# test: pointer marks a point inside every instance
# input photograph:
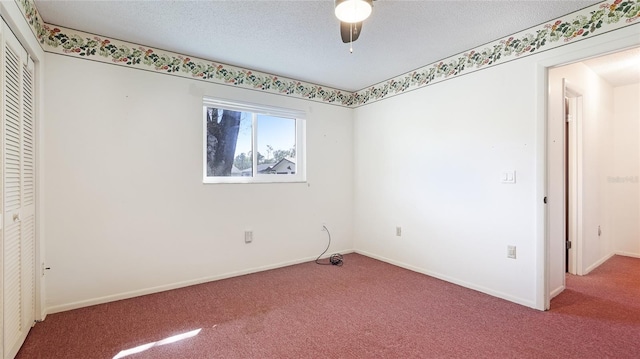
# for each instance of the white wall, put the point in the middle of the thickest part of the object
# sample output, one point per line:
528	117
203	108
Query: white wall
127	213
623	180
597	136
430	161
126	210
433	164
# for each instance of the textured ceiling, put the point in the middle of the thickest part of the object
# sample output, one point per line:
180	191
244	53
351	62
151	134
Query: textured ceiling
301	40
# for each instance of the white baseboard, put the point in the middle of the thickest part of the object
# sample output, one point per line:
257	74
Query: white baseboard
527	303
556	291
628	254
598	263
162	288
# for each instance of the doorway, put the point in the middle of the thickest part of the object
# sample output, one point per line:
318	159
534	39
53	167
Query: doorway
593	188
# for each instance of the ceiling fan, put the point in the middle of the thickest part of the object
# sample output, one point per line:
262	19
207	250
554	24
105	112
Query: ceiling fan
349	32
351	14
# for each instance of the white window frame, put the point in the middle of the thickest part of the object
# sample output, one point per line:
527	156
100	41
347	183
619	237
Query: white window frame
256	109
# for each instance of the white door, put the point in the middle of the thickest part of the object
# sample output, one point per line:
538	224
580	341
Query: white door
17	195
573	110
556	213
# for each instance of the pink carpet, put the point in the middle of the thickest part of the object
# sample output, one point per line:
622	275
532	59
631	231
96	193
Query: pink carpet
364	309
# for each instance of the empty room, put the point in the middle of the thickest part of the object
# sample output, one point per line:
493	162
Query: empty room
296	179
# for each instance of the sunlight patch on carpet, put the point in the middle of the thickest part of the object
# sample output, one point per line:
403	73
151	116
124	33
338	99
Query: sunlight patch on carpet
165	341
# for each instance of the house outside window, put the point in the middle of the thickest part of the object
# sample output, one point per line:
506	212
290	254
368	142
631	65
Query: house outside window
248	143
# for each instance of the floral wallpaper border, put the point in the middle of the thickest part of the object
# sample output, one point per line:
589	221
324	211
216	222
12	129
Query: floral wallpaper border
597	19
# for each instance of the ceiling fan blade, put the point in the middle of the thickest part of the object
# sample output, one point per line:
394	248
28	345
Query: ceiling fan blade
350	32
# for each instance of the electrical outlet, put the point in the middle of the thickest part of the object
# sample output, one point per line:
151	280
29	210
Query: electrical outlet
511	252
398	231
248	236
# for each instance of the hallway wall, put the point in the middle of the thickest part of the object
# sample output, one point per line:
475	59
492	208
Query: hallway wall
623	180
595	132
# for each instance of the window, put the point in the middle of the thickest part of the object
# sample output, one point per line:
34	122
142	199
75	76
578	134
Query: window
245	143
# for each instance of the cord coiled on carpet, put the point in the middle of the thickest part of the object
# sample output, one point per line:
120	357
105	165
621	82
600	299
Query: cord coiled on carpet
335	259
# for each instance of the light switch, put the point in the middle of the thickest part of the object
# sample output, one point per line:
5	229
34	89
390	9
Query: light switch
508	177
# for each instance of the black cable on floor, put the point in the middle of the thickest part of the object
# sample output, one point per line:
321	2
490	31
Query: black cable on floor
335	259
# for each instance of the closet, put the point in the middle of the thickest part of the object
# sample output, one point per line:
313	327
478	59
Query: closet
17	195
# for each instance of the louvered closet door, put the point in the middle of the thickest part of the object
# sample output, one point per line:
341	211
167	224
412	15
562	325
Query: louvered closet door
18	200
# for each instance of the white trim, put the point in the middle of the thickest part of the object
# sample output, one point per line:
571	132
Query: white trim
299	117
627	254
579	185
186	283
13	16
251	180
40	119
253	107
557	291
597	46
453	280
598	263
543	299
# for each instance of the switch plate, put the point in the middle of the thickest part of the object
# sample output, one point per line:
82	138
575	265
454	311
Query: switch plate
248	236
508	177
398	231
511	252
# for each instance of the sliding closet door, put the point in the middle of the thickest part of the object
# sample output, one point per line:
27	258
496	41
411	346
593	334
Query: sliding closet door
18	204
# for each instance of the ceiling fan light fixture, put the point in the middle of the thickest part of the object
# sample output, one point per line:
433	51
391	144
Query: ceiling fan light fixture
352	11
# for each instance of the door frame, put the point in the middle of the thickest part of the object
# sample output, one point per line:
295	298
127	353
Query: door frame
622	39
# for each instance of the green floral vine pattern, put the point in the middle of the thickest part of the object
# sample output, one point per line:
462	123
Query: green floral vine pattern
597	18
585	23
